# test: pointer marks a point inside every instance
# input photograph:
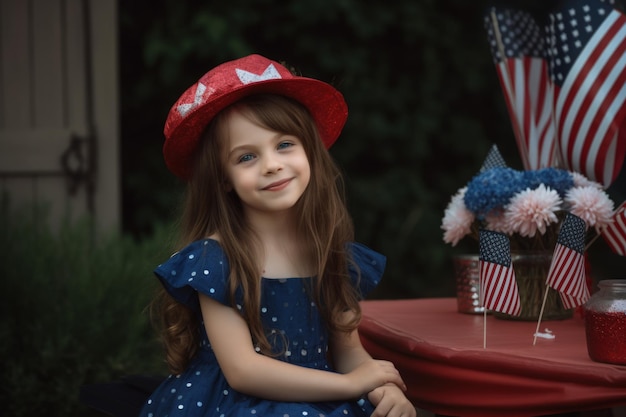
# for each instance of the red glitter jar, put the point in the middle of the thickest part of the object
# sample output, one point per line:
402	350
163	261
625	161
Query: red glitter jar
605	322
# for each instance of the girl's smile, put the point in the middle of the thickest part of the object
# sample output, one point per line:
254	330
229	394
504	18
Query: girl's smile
278	185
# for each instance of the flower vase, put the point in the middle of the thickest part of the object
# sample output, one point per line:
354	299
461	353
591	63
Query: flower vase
531	271
466	272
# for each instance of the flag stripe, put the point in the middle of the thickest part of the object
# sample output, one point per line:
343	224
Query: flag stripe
567	276
500	291
515	112
567	263
575	85
567	271
547	132
590	104
599	122
541	139
525	81
498	288
615	233
581	80
607	134
569	301
528	95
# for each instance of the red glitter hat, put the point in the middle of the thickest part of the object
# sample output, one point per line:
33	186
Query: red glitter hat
233	80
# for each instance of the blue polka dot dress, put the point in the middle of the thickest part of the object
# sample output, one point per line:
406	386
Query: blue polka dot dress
291	319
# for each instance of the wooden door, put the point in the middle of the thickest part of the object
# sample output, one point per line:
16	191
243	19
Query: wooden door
58	108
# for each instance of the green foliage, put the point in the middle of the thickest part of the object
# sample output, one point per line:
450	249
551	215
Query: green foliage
73	313
418	77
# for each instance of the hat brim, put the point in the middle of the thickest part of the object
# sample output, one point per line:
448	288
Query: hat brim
326	105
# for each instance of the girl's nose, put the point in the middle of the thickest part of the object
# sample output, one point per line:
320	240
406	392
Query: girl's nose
271	164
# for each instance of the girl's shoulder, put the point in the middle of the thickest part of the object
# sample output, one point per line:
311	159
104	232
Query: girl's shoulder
203	249
201	266
363	255
367	267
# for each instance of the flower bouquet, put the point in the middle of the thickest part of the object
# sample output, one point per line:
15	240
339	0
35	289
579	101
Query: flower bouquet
529	207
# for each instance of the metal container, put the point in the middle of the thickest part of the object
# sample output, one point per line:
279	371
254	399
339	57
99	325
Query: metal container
466	270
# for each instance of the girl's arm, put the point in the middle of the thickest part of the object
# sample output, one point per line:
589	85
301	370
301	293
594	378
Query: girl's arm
348	354
261	376
347	351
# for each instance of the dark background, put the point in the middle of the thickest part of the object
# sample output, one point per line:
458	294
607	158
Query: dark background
425	107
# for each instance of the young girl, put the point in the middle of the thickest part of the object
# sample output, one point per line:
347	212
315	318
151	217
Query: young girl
260	307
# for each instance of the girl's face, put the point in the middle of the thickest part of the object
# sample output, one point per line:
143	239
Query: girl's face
268	170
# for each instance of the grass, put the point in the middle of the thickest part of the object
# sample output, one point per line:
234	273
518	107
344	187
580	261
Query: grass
73	312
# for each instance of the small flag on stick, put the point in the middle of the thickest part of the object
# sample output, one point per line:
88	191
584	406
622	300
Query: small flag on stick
497	279
615	233
567	271
493	159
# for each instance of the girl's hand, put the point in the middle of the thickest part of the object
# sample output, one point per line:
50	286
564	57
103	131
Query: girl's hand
373	373
390	401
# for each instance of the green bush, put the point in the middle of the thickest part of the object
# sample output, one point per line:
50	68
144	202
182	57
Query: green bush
73	312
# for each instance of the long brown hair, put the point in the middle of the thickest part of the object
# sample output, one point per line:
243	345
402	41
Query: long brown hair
211	208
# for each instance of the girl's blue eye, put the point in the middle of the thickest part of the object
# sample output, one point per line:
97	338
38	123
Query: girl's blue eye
284	145
245	158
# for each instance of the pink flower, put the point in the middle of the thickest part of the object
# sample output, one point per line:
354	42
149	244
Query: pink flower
591	204
581	181
457	220
497	222
530	211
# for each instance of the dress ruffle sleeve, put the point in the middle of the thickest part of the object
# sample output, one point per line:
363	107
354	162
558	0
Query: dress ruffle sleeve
201	266
371	266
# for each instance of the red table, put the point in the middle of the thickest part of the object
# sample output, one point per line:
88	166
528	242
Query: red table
441	357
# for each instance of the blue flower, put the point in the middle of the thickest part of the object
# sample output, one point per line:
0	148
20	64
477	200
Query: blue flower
492	189
559	180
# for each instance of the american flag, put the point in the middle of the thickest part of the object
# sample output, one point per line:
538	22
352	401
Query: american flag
493	159
587	54
615	233
519	52
567	271
498	288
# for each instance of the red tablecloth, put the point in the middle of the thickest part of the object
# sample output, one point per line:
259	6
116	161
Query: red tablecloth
441	357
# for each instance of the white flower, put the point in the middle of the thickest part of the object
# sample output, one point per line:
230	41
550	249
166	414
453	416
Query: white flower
591	204
530	211
457	220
